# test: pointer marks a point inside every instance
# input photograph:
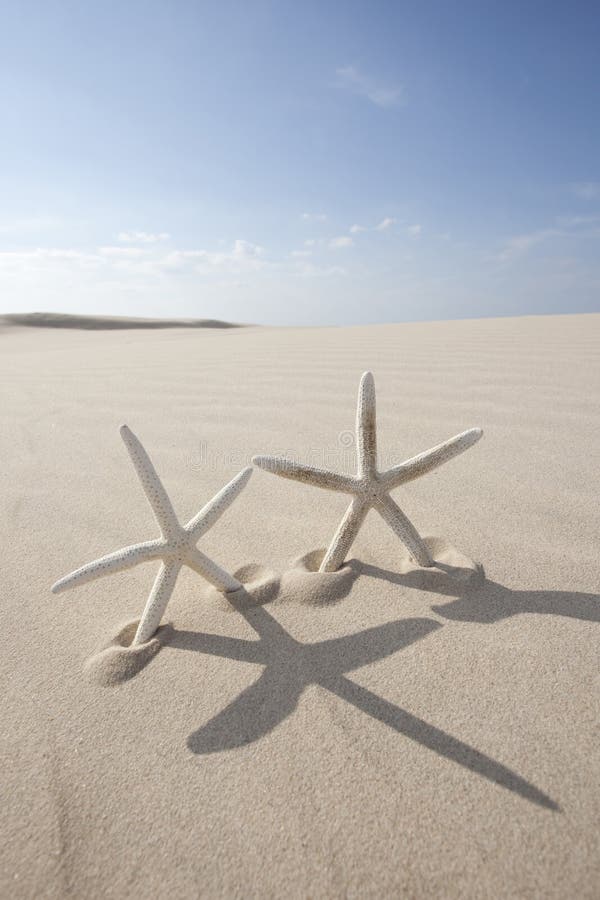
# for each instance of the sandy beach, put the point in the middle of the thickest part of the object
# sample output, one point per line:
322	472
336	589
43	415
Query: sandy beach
381	731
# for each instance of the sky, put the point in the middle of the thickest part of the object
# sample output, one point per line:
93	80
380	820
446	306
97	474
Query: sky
292	162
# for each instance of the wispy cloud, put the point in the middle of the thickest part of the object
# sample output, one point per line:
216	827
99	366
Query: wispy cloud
122	252
243	256
577	222
385	224
310	270
520	244
381	226
563	227
350	78
29	224
314	217
343	241
42	257
415	230
586	190
142	237
247	250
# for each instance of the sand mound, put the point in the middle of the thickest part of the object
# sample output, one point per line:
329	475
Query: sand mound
453	573
105	323
259	585
303	583
118	661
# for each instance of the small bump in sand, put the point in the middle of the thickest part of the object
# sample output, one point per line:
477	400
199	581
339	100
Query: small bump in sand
305	583
119	660
450	568
259	586
452	572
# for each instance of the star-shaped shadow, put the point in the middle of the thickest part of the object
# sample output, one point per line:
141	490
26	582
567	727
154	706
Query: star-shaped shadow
488	601
291	666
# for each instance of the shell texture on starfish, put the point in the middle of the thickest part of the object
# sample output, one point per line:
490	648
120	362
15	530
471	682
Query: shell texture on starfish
370	489
175	547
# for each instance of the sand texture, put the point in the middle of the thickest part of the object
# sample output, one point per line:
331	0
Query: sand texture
378	731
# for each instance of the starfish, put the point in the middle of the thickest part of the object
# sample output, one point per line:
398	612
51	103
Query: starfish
370	488
176	546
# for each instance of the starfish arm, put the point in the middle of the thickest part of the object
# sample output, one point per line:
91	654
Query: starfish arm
217	576
430	459
215	508
366	426
151	483
391	513
106	565
344	536
297	472
157	602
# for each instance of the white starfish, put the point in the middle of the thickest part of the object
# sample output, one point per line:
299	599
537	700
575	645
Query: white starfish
369	487
176	546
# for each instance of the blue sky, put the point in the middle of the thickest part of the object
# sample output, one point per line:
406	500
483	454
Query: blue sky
300	162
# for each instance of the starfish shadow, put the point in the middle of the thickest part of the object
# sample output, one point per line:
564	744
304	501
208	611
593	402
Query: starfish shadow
490	601
291	666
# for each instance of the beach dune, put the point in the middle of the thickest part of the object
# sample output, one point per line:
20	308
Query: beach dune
382	730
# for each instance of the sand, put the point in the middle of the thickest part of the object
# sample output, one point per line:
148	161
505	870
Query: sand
104	323
372	732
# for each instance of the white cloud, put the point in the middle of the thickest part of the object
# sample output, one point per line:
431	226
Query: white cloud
577	221
415	230
142	237
520	244
44	256
314	217
243	255
299	254
310	270
563	227
382	226
385	224
29	224
122	252
310	242
342	241
352	79
587	190
246	250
